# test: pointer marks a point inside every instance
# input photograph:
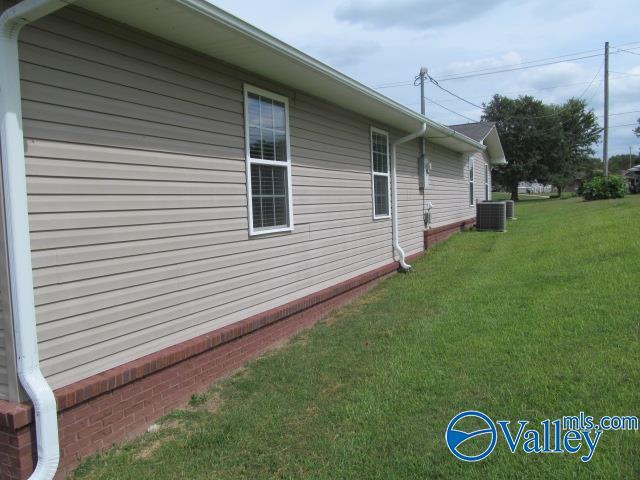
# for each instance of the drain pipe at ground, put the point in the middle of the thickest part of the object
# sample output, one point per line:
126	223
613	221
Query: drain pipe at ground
394	218
17	233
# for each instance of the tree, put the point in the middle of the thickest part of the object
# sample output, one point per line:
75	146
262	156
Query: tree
637	129
569	144
621	162
547	143
590	167
518	122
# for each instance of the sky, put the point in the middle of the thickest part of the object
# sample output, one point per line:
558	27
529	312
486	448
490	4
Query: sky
382	42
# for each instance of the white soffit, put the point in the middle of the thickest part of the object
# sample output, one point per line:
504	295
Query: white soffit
205	28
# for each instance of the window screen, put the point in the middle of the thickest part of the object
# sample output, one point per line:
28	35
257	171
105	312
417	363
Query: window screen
269	196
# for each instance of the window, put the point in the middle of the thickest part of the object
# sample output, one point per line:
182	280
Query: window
380	173
471	180
487	191
268	161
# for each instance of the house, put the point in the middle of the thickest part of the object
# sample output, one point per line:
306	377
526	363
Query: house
633	178
534	188
487	134
181	190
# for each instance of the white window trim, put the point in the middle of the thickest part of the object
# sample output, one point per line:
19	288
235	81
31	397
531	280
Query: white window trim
250	161
373	130
472	180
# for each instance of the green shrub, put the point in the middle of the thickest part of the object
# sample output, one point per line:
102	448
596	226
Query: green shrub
600	188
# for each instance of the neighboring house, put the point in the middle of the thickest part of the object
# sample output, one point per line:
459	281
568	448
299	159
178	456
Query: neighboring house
195	191
633	178
534	187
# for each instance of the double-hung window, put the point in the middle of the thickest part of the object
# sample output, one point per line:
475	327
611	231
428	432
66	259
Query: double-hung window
471	180
268	161
487	193
380	173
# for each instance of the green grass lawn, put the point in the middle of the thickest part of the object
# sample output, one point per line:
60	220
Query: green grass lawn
539	322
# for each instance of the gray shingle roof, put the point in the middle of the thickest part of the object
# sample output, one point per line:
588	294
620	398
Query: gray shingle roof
476	131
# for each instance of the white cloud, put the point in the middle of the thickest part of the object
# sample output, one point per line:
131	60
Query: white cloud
550	75
413	14
341	55
506	60
386	41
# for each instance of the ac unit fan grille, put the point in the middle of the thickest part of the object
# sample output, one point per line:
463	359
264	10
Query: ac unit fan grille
491	216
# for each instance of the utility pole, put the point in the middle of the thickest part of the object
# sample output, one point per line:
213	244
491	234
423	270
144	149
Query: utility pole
422	75
605	143
630	154
422	183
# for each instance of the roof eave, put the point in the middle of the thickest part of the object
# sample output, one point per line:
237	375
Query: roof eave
494	147
398	116
245	28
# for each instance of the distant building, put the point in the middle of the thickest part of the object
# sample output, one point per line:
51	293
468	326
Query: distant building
533	187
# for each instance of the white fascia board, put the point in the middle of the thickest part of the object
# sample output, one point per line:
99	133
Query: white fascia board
494	147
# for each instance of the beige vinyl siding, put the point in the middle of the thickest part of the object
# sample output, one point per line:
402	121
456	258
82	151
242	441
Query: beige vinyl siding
137	196
482	159
4	368
448	188
410	199
449	185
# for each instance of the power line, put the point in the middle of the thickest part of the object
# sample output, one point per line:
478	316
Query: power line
514	92
592	80
520	66
627	44
460	77
625	113
471	75
626	74
435	82
595	92
620	113
392	85
491	71
452	111
524	63
519	118
624	125
627	51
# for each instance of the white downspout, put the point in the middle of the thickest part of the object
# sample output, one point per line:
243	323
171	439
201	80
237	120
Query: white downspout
394	218
17	233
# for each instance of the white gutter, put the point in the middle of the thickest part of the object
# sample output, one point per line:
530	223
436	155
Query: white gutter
394	218
17	233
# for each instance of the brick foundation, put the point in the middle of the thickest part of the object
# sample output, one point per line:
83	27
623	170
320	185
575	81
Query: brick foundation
440	234
116	405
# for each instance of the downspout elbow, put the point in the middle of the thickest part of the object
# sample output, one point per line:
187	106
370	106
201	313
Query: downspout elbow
394	218
45	408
